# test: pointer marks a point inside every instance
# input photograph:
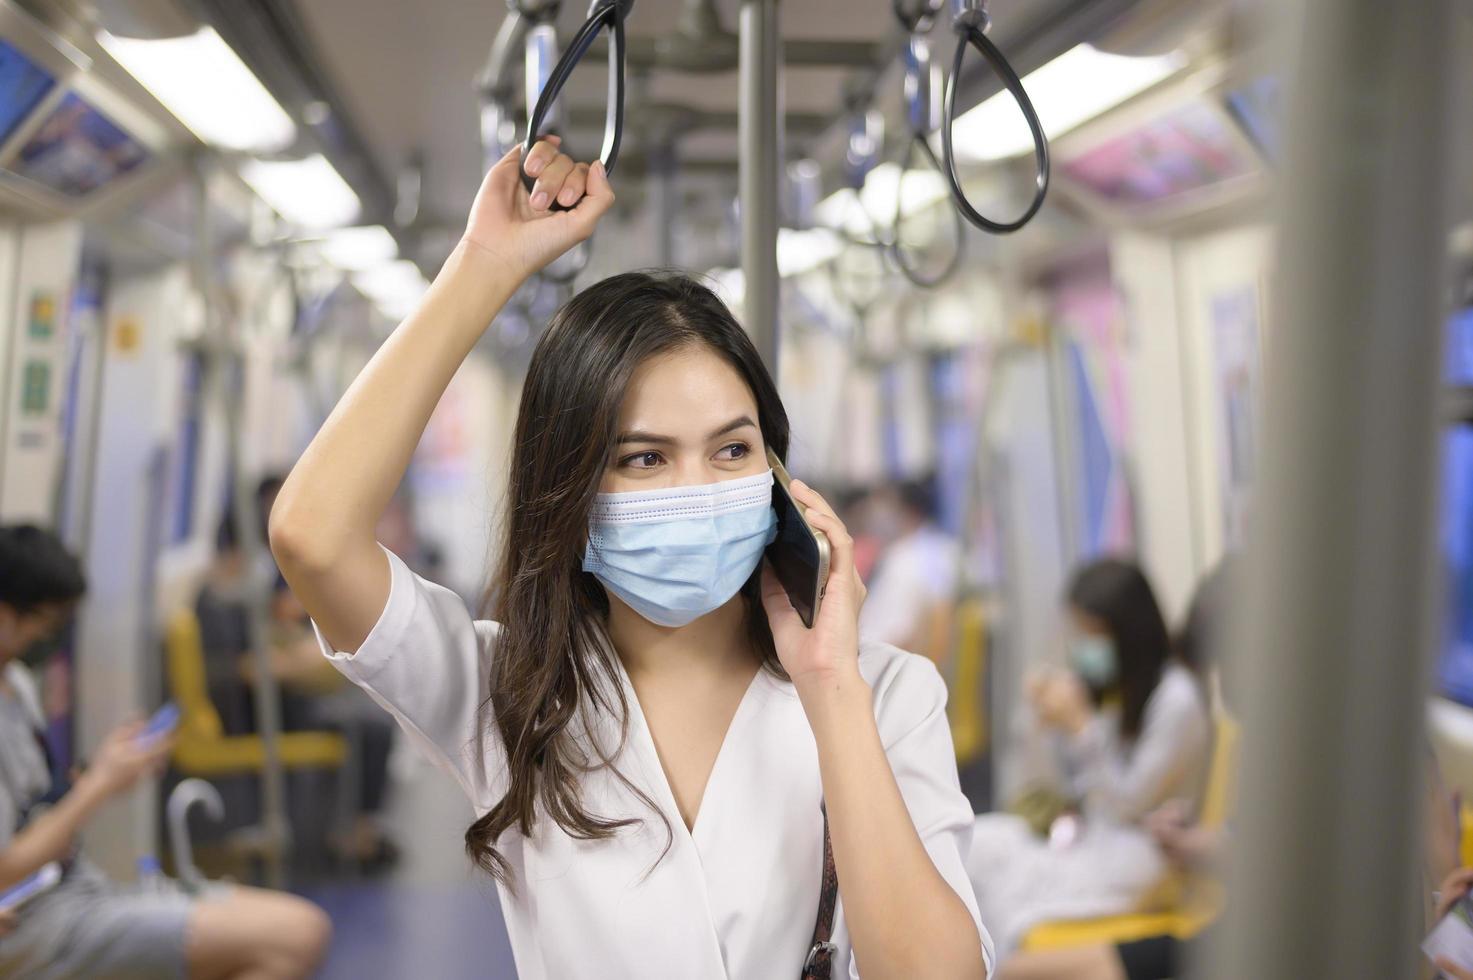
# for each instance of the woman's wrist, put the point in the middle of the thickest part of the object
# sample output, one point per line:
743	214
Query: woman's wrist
474	271
833	696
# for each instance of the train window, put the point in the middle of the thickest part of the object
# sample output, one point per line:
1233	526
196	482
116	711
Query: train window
78	150
23	84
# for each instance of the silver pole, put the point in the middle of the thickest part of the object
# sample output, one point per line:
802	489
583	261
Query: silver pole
662	192
225	354
1339	624
760	129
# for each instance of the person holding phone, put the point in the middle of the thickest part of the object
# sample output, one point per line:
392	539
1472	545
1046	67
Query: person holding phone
657	748
79	923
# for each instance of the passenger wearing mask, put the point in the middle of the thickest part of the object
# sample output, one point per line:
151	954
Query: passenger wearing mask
656	747
1133	730
87	926
913	590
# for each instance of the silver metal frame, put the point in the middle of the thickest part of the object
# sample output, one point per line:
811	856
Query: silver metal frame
760	134
1339	624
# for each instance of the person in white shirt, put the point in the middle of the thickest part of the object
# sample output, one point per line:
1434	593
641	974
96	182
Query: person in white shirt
912	592
656	748
1133	730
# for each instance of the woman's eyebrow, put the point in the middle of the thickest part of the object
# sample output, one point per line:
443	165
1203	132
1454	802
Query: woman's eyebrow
740	422
641	436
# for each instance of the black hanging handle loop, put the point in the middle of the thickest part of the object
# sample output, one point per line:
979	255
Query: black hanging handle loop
602	14
970	26
958	229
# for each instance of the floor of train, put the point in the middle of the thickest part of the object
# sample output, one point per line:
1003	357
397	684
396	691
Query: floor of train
433	915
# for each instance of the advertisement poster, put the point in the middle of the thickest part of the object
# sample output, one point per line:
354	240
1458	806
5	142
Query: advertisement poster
1235	344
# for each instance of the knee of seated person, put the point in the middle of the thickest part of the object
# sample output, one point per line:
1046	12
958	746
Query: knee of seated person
310	933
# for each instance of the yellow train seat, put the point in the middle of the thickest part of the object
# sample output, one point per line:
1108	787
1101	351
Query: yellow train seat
1202	897
967	704
202	748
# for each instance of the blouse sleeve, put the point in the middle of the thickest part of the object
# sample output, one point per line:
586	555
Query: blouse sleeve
1170	750
426	662
911	714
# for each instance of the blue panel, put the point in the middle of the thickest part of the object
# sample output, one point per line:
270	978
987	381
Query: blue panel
78	150
1455	667
23	84
1097	460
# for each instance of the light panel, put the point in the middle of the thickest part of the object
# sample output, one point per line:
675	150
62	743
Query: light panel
1076	86
203	82
308	193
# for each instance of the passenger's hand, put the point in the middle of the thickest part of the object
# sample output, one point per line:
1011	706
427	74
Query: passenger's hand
123	759
829	652
520	229
8	921
1062	701
1454	887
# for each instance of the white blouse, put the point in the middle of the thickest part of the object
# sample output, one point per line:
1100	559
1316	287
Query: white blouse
737	895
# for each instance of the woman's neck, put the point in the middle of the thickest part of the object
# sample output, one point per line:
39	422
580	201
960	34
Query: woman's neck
715	642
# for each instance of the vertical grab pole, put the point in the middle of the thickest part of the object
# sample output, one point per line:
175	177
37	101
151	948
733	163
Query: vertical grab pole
226	352
1339	620
760	130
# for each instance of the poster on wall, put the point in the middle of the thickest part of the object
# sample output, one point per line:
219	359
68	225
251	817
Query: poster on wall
1235	343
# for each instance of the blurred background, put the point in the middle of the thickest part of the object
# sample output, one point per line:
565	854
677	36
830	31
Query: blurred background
212	212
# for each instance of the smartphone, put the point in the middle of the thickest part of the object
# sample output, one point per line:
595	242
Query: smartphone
163	723
799	554
1452	938
42	881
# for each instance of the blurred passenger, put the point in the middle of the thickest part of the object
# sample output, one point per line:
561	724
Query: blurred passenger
1186	845
1133	730
313	695
854	509
87	926
913	590
655	745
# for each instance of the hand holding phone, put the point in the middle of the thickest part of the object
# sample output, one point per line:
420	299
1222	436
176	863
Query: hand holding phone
1450	943
800	553
161	725
42	881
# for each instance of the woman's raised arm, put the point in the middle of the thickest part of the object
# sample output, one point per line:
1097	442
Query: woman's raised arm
323	521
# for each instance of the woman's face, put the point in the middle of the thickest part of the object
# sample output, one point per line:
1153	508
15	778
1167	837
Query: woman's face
688	418
1083	624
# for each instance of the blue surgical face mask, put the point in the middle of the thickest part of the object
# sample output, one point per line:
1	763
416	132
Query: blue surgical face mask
1093	659
675	555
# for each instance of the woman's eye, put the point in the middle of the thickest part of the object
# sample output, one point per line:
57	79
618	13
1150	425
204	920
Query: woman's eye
641	461
736	451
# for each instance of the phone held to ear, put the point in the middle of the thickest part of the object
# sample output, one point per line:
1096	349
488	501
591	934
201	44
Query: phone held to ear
799	554
1452	938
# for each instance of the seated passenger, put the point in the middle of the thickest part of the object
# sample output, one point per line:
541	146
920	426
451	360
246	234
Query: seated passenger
1186	845
1133	730
87	926
313	695
672	775
913	589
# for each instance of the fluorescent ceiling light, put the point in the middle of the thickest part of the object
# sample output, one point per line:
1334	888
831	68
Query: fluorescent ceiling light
308	193
917	191
201	80
1076	86
394	287
358	249
843	211
800	251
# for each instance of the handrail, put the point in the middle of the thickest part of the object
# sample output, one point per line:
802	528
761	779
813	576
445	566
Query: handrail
970	24
602	14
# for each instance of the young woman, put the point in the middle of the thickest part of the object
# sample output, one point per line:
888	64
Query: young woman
1134	731
653	742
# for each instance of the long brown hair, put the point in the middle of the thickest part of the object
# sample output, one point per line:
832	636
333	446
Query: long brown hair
1118	594
553	652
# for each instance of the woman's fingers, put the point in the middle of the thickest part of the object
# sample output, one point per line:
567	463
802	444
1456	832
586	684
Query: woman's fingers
543	152
550	181
574	186
598	197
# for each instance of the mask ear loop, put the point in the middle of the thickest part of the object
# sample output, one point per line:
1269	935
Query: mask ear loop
970	26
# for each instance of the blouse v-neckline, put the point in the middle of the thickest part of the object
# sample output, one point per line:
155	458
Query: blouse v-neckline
649	755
